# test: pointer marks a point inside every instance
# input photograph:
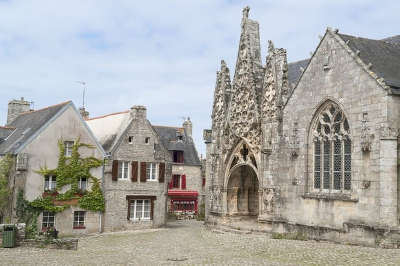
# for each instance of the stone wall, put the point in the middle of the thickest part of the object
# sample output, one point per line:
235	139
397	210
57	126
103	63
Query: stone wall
116	192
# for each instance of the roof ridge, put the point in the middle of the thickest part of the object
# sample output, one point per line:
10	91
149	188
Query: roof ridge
102	116
307	59
44	108
378	40
168	126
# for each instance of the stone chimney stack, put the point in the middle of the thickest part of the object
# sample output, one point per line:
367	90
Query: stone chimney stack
84	113
187	125
17	107
139	112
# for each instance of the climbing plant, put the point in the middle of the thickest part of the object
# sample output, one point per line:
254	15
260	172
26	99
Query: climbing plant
6	163
68	173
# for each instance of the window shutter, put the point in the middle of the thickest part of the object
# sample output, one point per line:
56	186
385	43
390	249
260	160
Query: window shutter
161	172
134	176
152	209
170	184
114	171
143	172
181	157
183	181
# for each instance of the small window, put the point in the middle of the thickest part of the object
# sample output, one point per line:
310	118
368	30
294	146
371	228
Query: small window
123	170
50	183
176	181
82	183
79	219
130	139
178	156
140	209
151	171
48	219
68	148
147	140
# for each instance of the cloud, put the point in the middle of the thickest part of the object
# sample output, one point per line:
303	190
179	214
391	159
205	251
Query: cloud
162	54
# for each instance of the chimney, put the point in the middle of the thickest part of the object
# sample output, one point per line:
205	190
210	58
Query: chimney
84	113
138	112
187	125
17	107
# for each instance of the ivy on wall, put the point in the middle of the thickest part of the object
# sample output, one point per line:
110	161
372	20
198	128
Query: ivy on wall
5	168
68	173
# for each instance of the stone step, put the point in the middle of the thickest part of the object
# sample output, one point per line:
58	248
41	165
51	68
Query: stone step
233	230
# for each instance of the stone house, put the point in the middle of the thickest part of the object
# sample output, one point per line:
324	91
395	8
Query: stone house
185	189
137	171
31	137
311	146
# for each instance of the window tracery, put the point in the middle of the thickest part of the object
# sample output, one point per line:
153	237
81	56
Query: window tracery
332	150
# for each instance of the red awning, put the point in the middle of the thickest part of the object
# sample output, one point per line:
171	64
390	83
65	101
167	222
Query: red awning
186	193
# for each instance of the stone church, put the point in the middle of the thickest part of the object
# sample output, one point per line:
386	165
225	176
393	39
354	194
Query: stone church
308	147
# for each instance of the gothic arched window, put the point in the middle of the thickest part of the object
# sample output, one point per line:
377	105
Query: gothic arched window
332	149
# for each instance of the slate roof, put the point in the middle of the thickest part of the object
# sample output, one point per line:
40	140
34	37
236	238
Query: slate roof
168	137
294	70
26	125
393	39
384	55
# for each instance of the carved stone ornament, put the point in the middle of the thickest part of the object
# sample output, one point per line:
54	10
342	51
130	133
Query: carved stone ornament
222	87
268	198
215	199
332	124
387	132
244	155
366	137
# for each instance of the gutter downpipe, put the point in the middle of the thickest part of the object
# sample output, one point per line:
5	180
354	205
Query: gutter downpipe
105	157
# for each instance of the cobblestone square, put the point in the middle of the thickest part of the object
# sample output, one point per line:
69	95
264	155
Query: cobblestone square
190	243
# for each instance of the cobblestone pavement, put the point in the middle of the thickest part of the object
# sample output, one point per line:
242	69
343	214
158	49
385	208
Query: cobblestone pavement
190	243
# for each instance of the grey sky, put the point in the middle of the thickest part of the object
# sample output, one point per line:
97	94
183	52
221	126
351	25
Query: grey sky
162	54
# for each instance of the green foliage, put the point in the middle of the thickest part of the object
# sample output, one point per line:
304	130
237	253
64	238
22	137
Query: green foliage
94	200
27	214
68	172
5	167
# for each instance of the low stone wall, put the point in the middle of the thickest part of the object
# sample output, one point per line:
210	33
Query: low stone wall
68	244
351	233
20	232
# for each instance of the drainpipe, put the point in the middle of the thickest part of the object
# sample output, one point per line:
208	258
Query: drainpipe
105	157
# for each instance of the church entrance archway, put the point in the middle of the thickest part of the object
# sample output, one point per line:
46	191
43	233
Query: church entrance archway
242	198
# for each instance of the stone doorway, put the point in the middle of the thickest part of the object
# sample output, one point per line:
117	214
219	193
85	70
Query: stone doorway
242	198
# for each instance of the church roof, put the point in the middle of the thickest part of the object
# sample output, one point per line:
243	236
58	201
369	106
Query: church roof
384	55
295	70
169	138
25	126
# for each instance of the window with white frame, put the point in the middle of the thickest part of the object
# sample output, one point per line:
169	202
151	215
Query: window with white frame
48	219
140	209
50	183
123	169
332	150
82	185
151	171
79	219
68	148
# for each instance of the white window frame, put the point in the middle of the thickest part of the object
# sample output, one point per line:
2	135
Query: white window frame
68	148
151	171
134	205
80	184
47	219
52	183
80	219
123	170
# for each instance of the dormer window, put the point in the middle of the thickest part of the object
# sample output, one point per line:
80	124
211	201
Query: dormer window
130	139
177	156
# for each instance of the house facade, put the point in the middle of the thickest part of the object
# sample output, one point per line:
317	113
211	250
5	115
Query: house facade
31	138
308	147
185	191
137	171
